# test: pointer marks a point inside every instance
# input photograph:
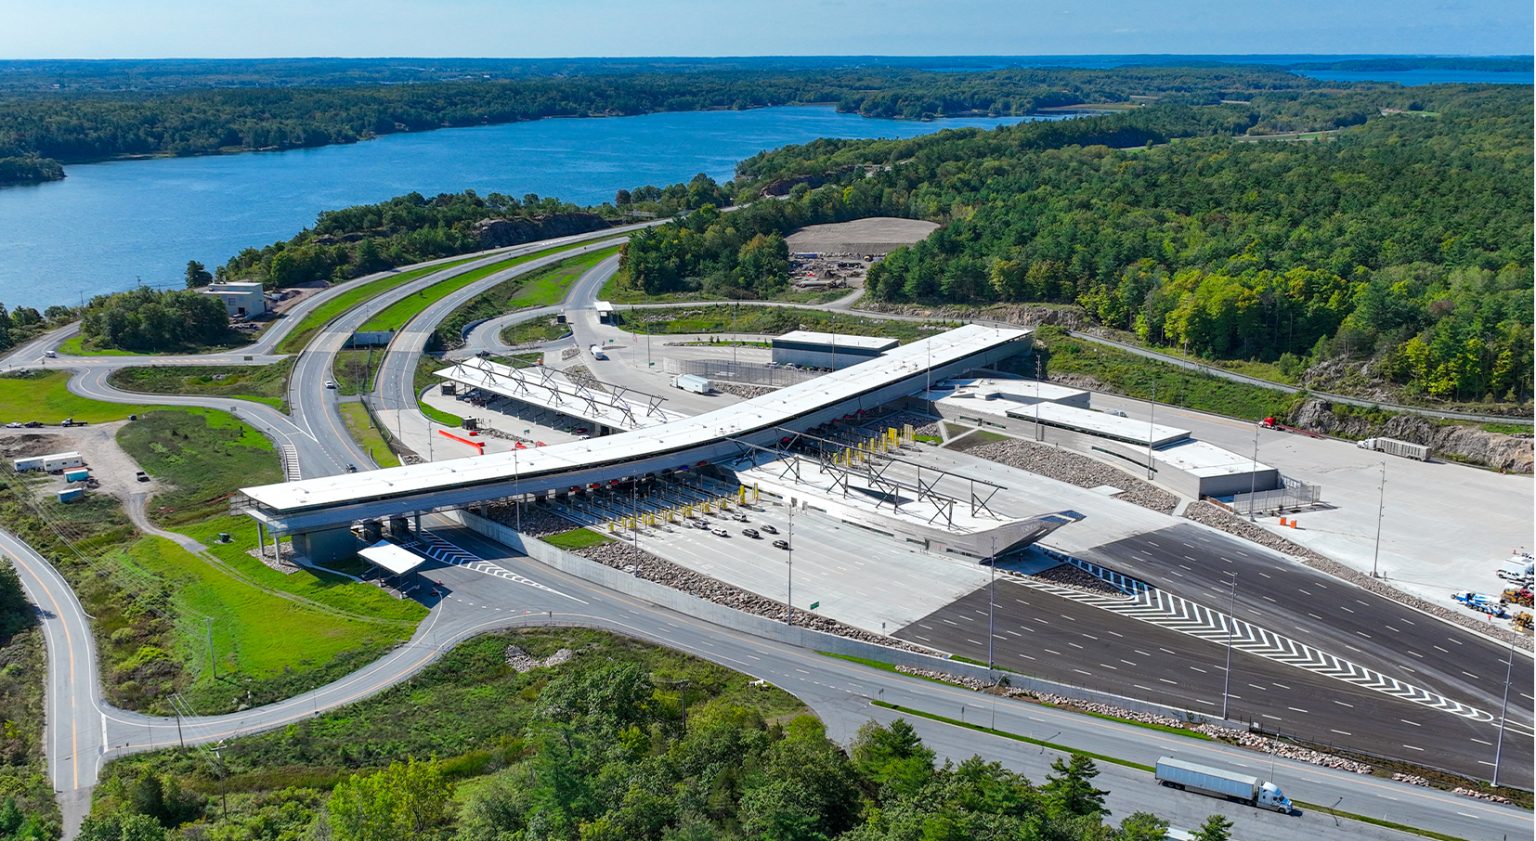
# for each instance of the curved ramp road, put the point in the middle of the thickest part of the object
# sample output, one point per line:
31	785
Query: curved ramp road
486	589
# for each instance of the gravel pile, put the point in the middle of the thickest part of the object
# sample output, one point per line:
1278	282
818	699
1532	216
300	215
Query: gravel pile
1481	795
1237	737
569	353
1075	469
1218	517
1410	779
536	521
1067	575
745	392
521	662
642	564
1284	750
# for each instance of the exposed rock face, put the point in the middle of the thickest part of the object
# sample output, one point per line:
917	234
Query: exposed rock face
1030	315
498	233
1467	443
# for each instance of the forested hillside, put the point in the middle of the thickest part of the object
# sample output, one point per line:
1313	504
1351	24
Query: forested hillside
39	128
1401	235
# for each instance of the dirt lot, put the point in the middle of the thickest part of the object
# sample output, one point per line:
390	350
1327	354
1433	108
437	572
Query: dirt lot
109	465
875	235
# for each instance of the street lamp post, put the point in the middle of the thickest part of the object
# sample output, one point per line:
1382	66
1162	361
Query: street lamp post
1381	506
789	585
1253	474
1509	672
991	601
1226	683
1151	425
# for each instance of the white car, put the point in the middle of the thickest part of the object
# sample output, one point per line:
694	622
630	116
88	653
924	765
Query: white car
720	532
330	383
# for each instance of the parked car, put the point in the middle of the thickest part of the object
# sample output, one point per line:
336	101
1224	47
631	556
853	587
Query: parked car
752	533
330	383
720	532
33	424
740	518
141	476
781	544
13	425
770	529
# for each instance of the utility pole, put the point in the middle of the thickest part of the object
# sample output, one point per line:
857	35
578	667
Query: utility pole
1151	425
518	505
1039	433
1509	671
1226	682
1381	506
213	665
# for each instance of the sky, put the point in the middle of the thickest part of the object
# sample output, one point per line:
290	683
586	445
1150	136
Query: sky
563	28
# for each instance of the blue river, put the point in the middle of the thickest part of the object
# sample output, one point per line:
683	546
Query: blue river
110	226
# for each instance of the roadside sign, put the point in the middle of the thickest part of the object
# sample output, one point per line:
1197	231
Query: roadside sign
814	605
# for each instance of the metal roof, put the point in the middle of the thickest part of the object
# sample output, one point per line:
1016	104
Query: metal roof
391	557
842	340
683	436
547	388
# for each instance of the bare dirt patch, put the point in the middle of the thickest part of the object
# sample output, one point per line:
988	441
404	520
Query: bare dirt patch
875	235
110	466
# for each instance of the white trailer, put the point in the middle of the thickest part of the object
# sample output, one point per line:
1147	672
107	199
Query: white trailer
1392	446
1218	782
692	382
597	352
51	463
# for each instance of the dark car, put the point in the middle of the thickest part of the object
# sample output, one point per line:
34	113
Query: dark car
33	424
752	533
781	544
141	476
769	529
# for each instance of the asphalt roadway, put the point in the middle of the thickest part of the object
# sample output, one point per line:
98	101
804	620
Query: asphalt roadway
81	726
838	692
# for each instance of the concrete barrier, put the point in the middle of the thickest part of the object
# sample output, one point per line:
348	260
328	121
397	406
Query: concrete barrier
762	626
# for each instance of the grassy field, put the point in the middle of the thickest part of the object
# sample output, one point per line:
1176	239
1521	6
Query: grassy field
261	383
577	538
537	331
1138	376
540	288
317	318
45	396
470	710
362	430
770	320
354	370
75	346
398	314
204	455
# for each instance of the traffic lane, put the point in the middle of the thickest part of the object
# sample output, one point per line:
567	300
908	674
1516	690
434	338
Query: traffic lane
1332	615
1039	634
839	692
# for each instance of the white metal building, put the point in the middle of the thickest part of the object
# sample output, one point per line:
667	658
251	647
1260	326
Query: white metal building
834	351
241	299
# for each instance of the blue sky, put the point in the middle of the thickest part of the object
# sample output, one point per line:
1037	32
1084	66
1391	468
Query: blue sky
546	28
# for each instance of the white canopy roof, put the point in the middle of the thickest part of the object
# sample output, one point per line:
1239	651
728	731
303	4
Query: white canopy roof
391	557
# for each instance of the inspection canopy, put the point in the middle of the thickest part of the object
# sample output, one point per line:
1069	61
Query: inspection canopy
388	556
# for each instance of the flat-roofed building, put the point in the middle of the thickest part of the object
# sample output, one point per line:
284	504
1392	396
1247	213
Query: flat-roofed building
241	299
833	351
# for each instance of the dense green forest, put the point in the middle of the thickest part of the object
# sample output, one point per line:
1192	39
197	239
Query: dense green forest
620	742
1402	236
27	812
154	320
40	128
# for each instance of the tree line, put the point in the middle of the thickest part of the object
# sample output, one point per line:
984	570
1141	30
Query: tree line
606	754
39	130
1401	240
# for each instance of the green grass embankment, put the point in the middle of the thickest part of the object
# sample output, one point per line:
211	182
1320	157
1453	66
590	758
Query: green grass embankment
577	538
540	288
300	336
259	383
730	319
45	396
361	427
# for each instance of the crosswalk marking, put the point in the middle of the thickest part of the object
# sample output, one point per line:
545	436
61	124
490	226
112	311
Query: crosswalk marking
442	550
1148	604
290	455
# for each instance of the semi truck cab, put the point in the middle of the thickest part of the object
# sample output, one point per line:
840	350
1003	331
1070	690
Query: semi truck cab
1271	797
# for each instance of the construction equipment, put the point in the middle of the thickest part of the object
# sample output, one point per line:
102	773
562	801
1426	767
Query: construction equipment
1522	622
1481	603
1518	595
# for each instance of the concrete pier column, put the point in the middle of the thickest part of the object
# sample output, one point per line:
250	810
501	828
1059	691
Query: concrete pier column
327	545
261	539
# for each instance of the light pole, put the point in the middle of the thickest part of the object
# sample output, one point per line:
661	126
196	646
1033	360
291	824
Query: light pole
1151	425
1381	506
1498	751
1039	433
991	600
1253	475
517	506
1226	682
789	585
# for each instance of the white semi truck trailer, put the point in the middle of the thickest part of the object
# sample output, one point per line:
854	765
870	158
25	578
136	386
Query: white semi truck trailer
1392	446
1217	782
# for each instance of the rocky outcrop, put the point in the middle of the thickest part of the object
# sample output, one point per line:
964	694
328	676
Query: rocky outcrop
1074	469
1029	315
499	233
1460	442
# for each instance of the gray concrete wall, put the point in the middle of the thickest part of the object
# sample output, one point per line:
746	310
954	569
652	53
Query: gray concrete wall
761	626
